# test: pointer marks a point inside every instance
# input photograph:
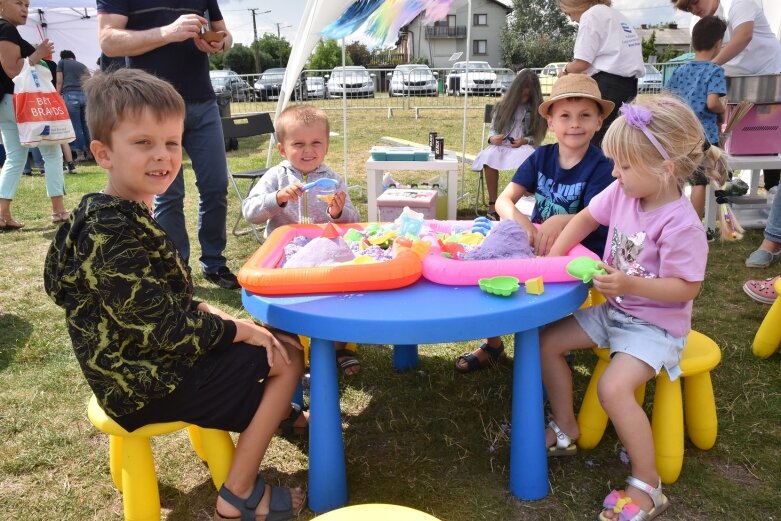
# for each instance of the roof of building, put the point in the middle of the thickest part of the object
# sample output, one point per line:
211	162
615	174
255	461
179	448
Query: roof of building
666	36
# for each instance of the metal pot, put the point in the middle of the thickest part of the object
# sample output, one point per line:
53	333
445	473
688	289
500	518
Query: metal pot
758	88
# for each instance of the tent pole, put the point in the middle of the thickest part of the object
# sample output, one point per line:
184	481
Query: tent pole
466	96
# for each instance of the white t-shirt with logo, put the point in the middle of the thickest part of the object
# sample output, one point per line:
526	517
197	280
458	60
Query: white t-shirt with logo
608	42
763	54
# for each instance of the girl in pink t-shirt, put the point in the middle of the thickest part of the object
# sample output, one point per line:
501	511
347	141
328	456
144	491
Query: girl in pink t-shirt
655	260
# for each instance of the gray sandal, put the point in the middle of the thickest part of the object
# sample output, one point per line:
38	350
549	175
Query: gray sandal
280	505
762	259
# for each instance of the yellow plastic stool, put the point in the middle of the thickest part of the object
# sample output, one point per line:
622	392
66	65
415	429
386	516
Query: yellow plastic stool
768	335
376	512
133	468
700	356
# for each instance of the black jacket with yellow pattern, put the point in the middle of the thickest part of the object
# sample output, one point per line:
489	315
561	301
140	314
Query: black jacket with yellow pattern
128	303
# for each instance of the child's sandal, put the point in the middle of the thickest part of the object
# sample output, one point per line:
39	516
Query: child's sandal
564	446
619	503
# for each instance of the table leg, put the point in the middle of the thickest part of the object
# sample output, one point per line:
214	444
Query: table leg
405	357
327	471
528	459
372	192
452	194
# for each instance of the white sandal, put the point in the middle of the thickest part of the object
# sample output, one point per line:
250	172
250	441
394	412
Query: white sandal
564	446
625	510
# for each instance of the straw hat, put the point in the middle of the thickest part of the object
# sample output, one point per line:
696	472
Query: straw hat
576	86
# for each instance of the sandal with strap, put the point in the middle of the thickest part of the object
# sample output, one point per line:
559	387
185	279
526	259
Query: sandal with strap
619	503
495	354
346	359
564	446
280	505
288	427
10	224
60	217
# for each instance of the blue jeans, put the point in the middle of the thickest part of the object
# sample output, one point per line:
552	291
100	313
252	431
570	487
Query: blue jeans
34	158
204	143
77	110
773	227
16	156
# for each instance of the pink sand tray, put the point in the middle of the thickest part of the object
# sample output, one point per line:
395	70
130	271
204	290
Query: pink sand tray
447	271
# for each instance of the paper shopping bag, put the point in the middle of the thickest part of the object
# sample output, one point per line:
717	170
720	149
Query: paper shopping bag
41	114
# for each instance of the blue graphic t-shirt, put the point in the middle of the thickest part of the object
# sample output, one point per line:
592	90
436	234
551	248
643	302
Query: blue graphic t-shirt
558	190
694	82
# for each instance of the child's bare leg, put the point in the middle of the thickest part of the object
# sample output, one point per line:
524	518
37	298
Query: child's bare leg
491	186
556	341
698	199
253	442
616	390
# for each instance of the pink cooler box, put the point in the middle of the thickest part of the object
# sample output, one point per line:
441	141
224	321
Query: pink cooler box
757	133
393	200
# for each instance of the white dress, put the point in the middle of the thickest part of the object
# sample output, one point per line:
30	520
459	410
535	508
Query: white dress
505	157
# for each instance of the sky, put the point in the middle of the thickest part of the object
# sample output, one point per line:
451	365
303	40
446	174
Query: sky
285	15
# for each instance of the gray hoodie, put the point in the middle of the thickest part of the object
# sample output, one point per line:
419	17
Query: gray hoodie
261	204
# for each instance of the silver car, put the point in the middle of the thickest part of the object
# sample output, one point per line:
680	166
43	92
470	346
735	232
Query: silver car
315	87
651	83
354	80
413	80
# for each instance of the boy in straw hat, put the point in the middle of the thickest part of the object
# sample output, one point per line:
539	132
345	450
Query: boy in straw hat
562	178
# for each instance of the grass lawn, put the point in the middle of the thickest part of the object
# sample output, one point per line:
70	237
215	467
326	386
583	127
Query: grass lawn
430	439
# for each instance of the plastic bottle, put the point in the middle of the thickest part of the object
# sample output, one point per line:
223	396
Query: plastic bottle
441	212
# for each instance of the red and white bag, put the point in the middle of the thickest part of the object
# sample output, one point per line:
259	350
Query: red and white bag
41	113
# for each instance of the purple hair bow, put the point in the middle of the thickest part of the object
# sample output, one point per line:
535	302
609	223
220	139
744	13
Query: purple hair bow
639	117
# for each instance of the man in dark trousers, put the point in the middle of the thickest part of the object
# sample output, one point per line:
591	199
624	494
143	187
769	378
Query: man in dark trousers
166	38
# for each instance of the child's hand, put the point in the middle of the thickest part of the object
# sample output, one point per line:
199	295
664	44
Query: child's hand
548	232
262	337
517	142
614	284
336	205
289	193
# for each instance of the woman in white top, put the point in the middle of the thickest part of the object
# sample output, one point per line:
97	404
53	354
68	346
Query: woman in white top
750	47
608	49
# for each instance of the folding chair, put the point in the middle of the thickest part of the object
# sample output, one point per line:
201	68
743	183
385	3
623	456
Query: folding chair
489	108
240	127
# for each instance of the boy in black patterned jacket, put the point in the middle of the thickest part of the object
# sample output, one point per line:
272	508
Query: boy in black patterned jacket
149	351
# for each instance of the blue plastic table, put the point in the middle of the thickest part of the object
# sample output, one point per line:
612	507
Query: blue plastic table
419	314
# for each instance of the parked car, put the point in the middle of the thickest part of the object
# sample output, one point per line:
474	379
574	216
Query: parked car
315	87
354	80
548	76
480	76
412	79
270	83
228	81
506	78
651	83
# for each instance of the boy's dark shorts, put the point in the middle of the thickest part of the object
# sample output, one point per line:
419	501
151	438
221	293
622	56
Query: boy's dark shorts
222	391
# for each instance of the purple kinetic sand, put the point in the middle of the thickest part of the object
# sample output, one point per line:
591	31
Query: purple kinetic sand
507	240
321	252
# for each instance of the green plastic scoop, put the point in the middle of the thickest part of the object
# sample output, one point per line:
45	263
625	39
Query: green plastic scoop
502	285
584	268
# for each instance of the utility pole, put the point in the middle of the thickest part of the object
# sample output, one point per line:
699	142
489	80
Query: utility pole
255	50
280	26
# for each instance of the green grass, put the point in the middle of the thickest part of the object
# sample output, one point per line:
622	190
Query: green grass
431	439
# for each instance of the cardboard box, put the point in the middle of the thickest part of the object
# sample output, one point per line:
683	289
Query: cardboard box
393	200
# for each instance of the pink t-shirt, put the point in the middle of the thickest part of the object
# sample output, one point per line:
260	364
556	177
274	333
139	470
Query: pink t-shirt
666	242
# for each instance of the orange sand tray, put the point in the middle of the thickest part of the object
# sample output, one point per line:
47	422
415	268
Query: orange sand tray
260	273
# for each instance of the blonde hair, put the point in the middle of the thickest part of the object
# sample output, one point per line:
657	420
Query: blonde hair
680	134
302	114
124	93
581	6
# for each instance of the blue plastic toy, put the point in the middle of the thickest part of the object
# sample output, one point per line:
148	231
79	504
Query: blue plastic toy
323	184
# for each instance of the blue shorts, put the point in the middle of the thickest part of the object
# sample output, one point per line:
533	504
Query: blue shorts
623	333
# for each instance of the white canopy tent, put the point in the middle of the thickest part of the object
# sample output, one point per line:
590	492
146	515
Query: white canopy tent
69	25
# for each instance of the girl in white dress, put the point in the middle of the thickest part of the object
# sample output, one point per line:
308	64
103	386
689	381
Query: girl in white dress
516	128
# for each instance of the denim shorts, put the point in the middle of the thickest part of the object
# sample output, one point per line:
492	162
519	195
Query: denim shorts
623	333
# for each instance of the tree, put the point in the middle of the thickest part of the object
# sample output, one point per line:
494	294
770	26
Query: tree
359	53
649	46
537	33
239	59
327	55
273	51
